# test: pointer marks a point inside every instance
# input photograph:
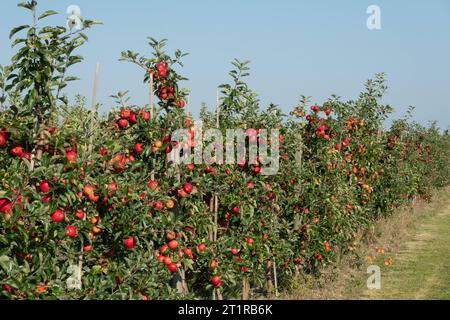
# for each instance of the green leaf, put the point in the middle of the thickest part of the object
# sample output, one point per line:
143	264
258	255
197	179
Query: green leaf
5	263
17	29
25	5
17	41
71	78
47	13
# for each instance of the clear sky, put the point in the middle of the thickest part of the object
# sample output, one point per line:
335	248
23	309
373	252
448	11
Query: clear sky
315	48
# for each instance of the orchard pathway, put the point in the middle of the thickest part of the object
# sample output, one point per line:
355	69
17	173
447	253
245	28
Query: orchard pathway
422	267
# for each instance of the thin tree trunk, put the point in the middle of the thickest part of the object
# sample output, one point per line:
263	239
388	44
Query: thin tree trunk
269	276
245	289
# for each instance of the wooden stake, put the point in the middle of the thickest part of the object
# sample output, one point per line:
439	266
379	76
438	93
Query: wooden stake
218	294
217	110
245	289
216	197
275	276
93	107
212	210
299	153
216	213
152	111
187	106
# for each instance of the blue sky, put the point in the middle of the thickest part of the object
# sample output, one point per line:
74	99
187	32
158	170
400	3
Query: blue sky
315	48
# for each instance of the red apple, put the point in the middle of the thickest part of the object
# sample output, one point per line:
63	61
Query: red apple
44	187
138	147
80	214
123	123
216	282
172	267
188	187
72	231
72	156
58	216
129	243
17	151
133	118
173	245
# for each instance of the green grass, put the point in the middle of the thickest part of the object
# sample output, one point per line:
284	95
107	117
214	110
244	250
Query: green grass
416	238
421	269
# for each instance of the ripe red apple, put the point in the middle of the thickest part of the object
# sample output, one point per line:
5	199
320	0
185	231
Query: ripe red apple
123	123
172	267
113	186
88	190
182	193
216	282
8	288
201	247
188	187
181	104
250	241
173	245
17	151
133	118
72	231
346	142
234	252
5	205
158	205
153	184
57	216
44	187
190	166
138	147
145	115
72	156
167	261
129	243
236	210
125	113
80	214
2	141
164	248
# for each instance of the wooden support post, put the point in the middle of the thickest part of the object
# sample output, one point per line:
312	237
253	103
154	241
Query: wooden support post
151	96
245	289
93	107
216	197
211	210
187	105
275	276
152	111
217	110
299	152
